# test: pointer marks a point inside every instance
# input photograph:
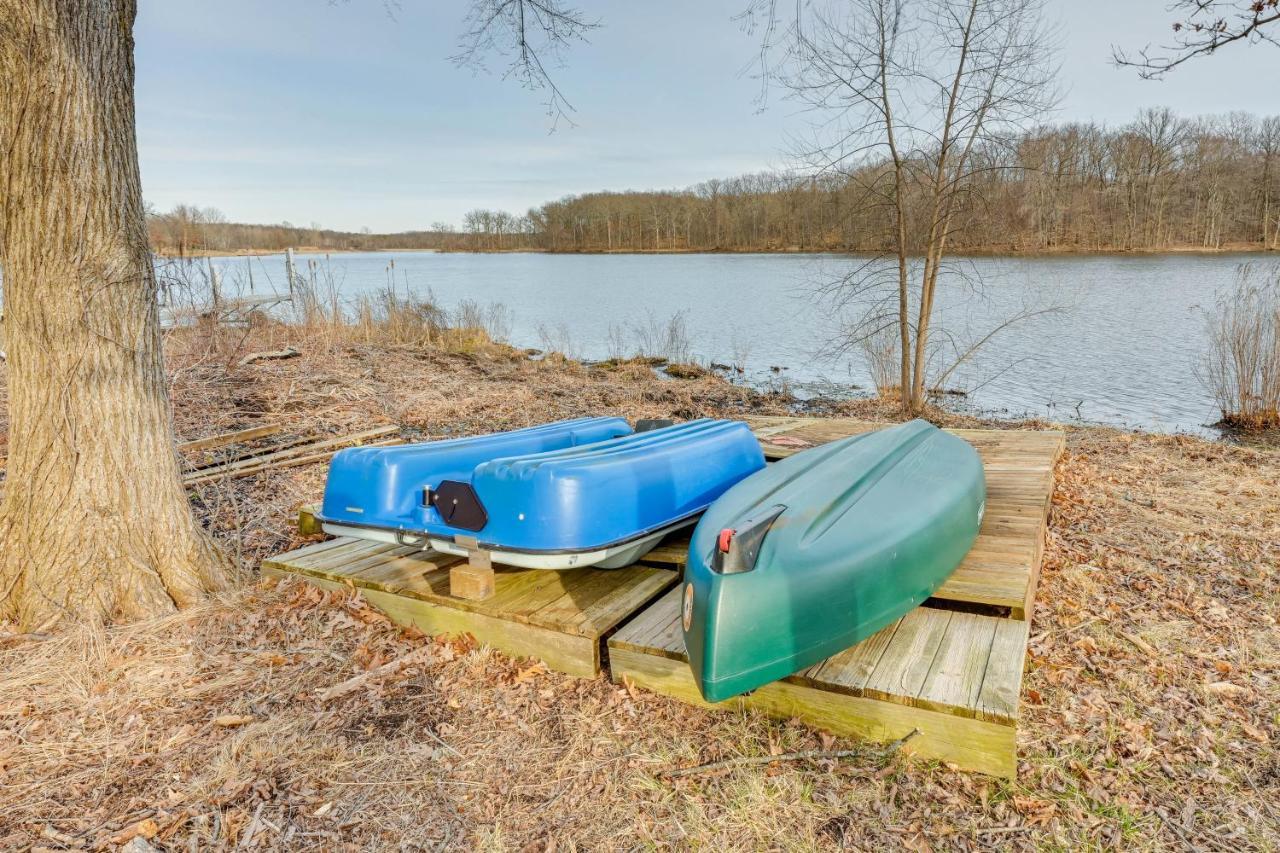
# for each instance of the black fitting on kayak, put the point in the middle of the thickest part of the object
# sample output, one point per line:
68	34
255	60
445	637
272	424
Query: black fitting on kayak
738	548
458	505
650	424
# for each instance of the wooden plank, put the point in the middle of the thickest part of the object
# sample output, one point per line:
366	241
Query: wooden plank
567	653
931	658
637	634
308	524
672	552
231	437
275	458
396	573
955	677
972	744
902	669
198	478
330	560
543	610
611	597
933	670
1002	680
849	670
250	452
607	614
306	550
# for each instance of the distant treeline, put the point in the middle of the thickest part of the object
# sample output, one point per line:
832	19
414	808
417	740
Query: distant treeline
188	230
1158	182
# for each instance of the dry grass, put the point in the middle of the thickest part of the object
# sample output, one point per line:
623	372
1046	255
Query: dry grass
1151	708
1242	365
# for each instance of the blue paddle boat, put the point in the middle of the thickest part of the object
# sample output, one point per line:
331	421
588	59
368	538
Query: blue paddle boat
584	492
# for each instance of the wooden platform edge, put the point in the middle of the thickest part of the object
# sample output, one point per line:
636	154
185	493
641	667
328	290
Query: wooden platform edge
567	653
968	743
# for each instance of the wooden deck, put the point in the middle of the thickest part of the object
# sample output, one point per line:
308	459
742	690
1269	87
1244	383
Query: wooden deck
952	669
951	673
558	617
954	676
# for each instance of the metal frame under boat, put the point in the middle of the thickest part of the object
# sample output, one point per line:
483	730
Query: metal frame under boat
612	556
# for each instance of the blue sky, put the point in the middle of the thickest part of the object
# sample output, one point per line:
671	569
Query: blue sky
336	113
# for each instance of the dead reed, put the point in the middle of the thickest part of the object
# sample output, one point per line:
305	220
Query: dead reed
1242	366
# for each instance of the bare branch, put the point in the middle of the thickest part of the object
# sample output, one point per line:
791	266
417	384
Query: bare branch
1202	27
532	35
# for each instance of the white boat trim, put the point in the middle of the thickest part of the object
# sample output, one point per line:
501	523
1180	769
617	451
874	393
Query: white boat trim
613	557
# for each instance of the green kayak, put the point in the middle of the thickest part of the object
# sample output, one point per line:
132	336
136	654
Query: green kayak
823	549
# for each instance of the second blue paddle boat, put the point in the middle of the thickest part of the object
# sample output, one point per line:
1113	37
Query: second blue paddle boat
584	492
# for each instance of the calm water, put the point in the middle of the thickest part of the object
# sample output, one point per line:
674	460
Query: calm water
1120	347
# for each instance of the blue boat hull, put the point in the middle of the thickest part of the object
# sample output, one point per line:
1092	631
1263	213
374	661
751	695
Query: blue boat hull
570	494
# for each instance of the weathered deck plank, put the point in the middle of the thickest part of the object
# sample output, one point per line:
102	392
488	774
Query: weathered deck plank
954	676
559	617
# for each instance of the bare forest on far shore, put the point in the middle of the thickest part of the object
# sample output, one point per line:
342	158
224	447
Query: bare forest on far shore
1161	182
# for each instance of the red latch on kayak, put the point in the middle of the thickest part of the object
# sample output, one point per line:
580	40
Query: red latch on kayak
738	548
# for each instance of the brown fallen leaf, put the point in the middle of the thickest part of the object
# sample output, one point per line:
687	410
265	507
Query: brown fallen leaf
789	441
1226	689
531	673
1257	734
232	720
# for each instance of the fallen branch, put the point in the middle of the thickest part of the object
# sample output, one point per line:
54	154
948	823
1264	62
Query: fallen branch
804	755
18	639
426	654
269	355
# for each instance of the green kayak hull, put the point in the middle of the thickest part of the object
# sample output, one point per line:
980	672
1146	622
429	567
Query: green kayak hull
856	533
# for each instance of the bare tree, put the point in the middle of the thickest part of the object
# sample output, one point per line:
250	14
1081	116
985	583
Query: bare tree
532	35
918	101
95	524
1201	28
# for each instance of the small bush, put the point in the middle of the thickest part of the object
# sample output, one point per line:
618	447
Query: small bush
881	349
1242	367
686	371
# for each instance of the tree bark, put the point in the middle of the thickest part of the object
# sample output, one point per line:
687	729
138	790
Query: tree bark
95	524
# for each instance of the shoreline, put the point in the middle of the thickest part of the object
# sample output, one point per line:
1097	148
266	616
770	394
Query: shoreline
1231	249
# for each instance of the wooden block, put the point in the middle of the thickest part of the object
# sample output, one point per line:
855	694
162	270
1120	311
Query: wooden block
308	524
474	579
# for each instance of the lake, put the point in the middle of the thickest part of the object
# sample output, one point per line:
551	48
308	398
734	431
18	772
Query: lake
1120	347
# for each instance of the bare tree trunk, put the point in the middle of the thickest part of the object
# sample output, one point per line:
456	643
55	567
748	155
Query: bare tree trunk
900	215
95	522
